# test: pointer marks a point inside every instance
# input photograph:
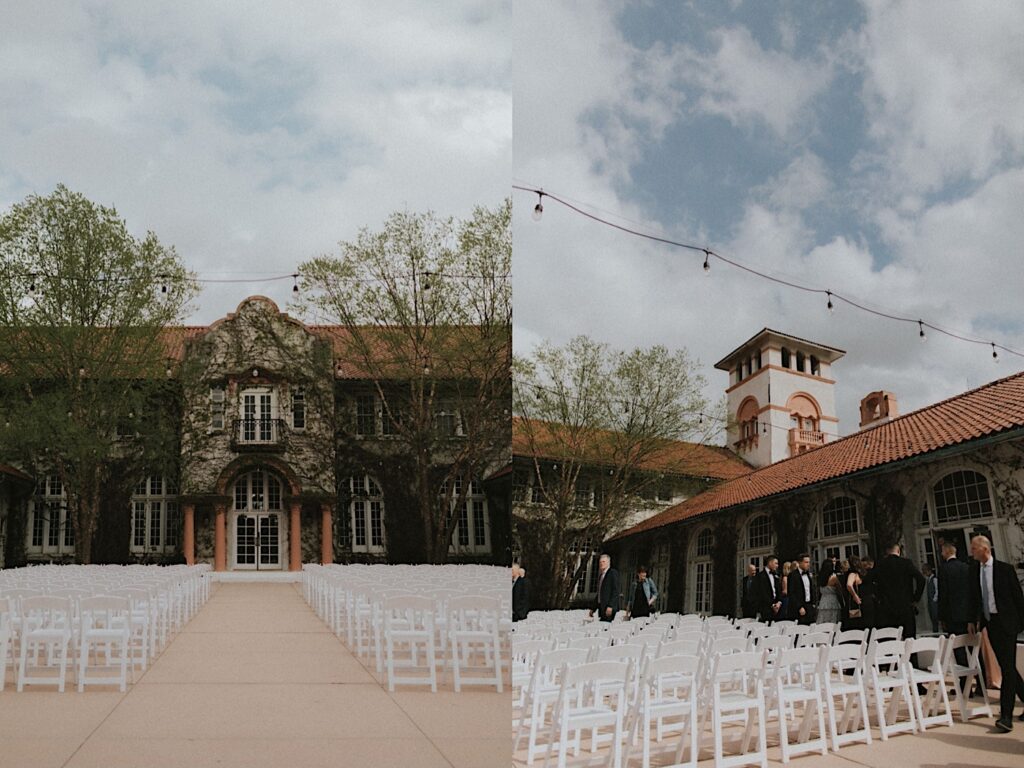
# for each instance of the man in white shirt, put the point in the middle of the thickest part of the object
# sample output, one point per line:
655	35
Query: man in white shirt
997	604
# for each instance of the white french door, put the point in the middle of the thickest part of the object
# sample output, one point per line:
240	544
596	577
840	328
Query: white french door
257	522
257	416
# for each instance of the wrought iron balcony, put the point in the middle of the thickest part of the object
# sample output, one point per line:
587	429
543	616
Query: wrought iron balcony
258	434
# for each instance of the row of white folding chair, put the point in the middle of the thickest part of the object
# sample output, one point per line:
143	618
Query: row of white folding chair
826	676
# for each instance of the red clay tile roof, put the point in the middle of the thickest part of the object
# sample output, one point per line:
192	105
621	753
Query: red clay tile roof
17	474
989	410
677	457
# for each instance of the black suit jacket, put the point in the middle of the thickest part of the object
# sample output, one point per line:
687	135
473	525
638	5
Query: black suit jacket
608	594
954	592
797	596
751	594
520	599
764	590
1009	599
898	587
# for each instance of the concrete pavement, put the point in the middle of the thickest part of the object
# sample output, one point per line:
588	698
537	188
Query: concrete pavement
255	679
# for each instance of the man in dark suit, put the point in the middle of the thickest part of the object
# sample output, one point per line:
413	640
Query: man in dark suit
899	586
520	593
770	590
954	591
954	597
997	604
608	588
749	601
802	589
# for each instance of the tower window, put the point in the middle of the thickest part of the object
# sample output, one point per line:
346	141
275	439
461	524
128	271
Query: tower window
800	361
785	358
815	366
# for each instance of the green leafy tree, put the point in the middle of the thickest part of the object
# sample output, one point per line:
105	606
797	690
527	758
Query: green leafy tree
424	310
86	368
594	416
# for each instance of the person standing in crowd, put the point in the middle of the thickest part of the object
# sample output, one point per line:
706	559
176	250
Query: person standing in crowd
931	595
869	593
770	591
749	601
803	592
520	593
899	587
997	604
854	598
787	568
954	600
643	594
830	609
608	588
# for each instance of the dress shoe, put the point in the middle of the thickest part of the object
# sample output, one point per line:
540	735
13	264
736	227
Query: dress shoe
1004	726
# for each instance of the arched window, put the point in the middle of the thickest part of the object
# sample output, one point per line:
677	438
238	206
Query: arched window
701	571
366	515
839	518
815	366
962	495
785	358
800	361
759	532
747	422
156	523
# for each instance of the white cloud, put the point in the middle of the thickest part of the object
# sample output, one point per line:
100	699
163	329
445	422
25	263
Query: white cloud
943	83
746	83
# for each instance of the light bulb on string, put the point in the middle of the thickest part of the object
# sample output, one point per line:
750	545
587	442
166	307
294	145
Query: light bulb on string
426	286
538	209
995	355
830	307
920	331
295	282
707	263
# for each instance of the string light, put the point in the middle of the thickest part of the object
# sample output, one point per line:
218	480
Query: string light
920	331
295	282
995	355
830	307
426	286
708	252
538	209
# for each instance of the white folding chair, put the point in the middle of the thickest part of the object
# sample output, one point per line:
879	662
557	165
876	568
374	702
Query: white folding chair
47	629
669	688
844	682
737	689
796	680
881	634
592	696
851	636
408	621
473	624
888	678
814	639
929	674
542	692
962	676
105	626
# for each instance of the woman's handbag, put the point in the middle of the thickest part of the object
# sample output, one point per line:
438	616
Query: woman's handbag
855	613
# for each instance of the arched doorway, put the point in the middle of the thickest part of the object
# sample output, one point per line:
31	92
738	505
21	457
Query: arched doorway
258	538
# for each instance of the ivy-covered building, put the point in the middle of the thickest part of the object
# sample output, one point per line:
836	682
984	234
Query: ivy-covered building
288	455
942	473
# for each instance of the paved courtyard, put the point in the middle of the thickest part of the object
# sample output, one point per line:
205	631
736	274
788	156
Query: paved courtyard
255	679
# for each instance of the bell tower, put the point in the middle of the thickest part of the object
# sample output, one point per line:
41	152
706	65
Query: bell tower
781	396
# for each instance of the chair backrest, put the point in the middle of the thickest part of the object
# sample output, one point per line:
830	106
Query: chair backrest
726	645
105	611
605	673
589	643
732	668
775	643
677	671
803	662
815	639
680	647
46	612
621	653
796	630
524	649
691	635
857	636
936	646
846	658
886	653
826	626
882	634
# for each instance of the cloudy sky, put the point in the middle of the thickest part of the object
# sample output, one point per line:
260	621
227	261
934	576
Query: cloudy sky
253	136
875	149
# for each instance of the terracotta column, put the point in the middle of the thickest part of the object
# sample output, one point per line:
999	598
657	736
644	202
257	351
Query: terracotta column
326	533
189	533
220	538
295	539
